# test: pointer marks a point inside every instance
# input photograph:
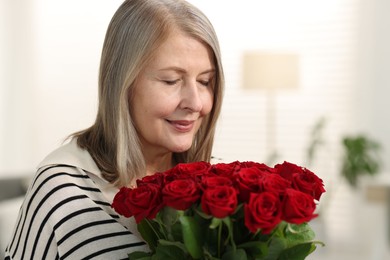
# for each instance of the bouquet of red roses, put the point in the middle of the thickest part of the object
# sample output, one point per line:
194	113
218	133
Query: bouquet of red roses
238	210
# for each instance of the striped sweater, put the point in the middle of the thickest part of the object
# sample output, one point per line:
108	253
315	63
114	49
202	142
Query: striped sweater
67	213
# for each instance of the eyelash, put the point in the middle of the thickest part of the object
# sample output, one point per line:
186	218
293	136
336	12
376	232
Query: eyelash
171	82
204	83
174	82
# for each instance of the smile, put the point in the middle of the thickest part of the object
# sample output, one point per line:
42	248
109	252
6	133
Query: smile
182	125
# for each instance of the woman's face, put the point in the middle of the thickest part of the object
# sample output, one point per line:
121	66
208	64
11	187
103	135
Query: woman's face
172	95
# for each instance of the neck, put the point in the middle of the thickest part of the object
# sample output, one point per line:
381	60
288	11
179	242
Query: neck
158	163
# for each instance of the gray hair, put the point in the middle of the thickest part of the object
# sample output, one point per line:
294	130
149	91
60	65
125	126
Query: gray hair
136	30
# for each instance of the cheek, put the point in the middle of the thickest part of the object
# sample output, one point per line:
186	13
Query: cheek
207	100
163	110
152	106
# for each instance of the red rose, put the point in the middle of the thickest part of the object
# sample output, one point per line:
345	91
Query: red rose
120	202
220	201
298	207
210	182
169	176
180	194
287	169
144	201
156	178
261	166
226	169
248	180
274	183
263	211
194	170
309	183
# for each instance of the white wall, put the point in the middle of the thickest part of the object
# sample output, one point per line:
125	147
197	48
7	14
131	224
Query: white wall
373	88
49	77
17	76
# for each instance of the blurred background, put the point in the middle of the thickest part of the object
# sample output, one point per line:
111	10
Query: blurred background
328	114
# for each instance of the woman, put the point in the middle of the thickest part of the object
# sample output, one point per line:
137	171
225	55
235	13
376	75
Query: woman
160	93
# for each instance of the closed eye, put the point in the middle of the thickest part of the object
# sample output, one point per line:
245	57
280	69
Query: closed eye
205	83
171	82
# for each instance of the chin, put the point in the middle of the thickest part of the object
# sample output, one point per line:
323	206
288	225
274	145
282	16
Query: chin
181	148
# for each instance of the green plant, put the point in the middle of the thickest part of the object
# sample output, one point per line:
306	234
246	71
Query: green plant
316	140
361	157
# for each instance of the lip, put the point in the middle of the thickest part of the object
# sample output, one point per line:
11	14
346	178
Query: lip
182	126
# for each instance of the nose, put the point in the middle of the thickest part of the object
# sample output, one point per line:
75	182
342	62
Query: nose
191	97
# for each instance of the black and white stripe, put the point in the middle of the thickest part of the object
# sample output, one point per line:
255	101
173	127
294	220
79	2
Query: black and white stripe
66	216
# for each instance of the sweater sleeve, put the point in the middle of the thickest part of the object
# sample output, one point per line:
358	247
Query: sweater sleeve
65	216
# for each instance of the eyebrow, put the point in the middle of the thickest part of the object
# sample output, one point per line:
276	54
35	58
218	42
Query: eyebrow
178	69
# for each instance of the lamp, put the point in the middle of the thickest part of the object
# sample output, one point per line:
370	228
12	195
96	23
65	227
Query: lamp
270	72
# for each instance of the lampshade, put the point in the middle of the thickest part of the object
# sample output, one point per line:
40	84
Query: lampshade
272	71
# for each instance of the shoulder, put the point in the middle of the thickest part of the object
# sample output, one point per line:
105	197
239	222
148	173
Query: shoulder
59	176
72	155
65	213
61	189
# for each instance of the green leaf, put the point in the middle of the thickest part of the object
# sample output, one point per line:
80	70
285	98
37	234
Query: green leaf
191	236
239	254
298	252
241	232
138	255
148	230
229	225
209	256
201	213
211	238
178	244
361	156
276	246
255	248
169	250
298	234
215	222
169	217
176	232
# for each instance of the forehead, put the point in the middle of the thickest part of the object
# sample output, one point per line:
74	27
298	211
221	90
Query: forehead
181	46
